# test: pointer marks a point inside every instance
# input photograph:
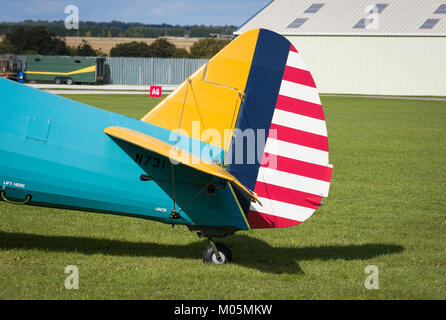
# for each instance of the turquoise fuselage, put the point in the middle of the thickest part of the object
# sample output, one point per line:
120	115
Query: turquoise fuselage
55	150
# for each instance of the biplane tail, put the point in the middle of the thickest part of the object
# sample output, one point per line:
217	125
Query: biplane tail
258	87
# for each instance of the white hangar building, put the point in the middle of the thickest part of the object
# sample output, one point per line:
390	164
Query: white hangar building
379	47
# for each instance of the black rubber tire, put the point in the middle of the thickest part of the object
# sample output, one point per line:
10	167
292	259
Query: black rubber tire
58	81
210	257
69	81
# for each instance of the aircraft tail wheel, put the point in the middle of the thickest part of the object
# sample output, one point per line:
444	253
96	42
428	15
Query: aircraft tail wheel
224	253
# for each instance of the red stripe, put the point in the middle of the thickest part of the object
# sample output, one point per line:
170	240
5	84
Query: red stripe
299	137
293	49
298	76
258	220
287	195
300	107
301	168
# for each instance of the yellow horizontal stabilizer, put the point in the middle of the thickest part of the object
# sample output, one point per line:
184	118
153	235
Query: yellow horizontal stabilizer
176	155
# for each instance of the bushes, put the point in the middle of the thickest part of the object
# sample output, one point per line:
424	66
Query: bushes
204	48
40	40
35	40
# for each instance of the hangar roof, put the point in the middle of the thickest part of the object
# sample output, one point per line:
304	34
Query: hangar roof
351	17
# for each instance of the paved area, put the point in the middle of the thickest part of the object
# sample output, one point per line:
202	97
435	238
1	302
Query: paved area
98	89
385	97
96	92
144	89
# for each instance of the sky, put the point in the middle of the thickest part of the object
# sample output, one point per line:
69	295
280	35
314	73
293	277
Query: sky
176	12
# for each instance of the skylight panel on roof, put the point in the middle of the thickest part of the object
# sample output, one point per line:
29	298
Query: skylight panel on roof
429	23
315	7
441	9
360	24
297	23
381	6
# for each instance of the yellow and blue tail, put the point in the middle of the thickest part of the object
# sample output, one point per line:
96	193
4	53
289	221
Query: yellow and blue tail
258	85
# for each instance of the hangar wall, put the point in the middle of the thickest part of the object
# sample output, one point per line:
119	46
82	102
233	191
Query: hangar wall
381	65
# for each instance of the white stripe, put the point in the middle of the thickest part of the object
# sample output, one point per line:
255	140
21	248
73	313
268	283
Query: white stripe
295	151
294	60
282	209
299	122
293	181
299	91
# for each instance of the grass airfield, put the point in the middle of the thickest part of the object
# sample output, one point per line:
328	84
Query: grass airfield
386	208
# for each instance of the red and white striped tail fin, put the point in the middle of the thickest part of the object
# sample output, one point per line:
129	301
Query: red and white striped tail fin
294	174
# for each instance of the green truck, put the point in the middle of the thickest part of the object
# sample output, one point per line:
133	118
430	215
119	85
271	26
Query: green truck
67	70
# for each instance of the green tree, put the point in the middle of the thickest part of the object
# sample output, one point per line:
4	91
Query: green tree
130	49
122	29
180	53
34	40
160	48
207	48
114	31
84	49
199	32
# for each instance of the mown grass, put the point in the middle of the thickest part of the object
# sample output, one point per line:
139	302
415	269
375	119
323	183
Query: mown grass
386	208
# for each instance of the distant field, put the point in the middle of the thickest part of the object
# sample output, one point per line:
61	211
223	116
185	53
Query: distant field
105	44
386	208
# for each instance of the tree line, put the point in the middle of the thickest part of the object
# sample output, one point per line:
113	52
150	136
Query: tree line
41	40
120	29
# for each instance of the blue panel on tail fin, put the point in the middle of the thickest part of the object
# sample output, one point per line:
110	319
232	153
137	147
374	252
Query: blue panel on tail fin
257	109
